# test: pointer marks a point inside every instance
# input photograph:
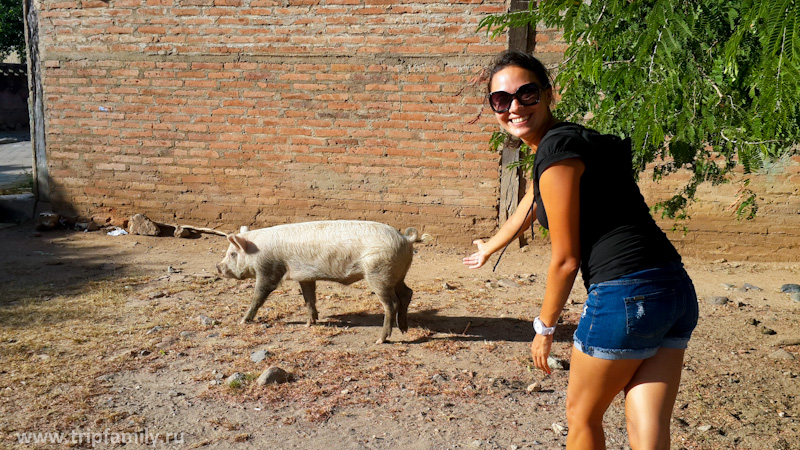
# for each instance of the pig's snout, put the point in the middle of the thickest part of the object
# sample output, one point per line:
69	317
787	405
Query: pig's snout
222	269
226	271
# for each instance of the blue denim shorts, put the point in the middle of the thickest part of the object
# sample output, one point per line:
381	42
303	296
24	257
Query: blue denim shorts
632	316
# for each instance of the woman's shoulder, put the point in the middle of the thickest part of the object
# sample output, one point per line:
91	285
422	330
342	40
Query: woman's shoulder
563	136
568	130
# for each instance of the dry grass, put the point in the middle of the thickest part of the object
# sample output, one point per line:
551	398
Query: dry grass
54	346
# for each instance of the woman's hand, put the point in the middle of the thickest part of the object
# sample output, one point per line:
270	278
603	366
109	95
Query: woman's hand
478	258
540	350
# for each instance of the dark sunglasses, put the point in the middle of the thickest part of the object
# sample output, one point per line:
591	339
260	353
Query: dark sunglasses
526	95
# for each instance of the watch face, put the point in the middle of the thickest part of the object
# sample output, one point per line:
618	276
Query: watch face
539	328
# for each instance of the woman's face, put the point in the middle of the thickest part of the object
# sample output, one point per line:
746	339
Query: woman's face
528	123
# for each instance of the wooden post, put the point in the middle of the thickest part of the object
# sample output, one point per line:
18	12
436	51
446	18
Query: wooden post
41	179
512	181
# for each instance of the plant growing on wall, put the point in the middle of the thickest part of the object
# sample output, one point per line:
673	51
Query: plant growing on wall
702	85
12	29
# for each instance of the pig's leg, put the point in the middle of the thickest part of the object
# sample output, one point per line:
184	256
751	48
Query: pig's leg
404	294
309	289
264	287
390	303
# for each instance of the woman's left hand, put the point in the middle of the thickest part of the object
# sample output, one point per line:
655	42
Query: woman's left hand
540	350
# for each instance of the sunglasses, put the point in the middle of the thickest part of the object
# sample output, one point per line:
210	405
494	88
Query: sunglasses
526	95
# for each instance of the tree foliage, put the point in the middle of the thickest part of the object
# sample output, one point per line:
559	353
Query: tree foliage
12	29
703	85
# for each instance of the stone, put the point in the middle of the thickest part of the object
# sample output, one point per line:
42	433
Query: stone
87	226
205	320
506	283
273	375
559	429
259	356
438	378
795	296
750	287
555	363
140	224
166	342
718	300
535	387
181	232
236	380
790	288
781	354
768	331
47	221
789	341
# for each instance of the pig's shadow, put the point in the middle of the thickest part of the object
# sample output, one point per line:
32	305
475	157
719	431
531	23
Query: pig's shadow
455	327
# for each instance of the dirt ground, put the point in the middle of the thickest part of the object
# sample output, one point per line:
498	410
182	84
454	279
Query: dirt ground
103	342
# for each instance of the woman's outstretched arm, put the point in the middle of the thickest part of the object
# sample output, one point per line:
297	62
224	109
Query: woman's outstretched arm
512	229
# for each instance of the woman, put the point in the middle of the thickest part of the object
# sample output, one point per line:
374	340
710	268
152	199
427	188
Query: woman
641	307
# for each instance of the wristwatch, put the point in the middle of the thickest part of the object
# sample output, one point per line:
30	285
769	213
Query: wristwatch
539	328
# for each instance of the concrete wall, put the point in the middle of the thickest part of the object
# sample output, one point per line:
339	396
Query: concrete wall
13	97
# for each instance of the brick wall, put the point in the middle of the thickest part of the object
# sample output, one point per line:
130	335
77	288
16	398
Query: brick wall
258	112
714	232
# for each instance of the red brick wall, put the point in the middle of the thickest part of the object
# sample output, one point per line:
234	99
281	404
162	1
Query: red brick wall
258	112
713	230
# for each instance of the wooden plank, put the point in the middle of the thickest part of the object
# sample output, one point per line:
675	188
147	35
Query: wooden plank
512	181
41	178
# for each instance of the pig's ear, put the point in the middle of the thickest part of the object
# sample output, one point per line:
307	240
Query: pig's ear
243	229
238	241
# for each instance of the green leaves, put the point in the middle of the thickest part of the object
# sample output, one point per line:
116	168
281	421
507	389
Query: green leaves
707	84
12	29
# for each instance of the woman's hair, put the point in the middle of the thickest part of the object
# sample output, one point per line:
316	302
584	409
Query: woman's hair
522	60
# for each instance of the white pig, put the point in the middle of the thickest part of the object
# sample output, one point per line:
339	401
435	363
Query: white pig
344	251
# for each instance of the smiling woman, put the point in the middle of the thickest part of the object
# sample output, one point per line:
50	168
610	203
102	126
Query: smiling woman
642	307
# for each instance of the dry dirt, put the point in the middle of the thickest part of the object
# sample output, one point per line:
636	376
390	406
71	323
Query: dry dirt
101	339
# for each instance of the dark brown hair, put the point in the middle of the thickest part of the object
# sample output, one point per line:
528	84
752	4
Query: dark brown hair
515	58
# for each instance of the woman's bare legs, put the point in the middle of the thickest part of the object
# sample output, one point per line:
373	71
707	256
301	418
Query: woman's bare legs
651	386
650	398
593	384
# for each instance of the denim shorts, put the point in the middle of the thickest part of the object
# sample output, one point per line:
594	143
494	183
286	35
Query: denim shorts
632	316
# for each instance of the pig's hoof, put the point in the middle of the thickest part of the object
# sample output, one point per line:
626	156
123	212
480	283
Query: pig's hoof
380	341
245	321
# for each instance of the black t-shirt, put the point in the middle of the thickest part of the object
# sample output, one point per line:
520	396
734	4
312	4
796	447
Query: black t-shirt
617	234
